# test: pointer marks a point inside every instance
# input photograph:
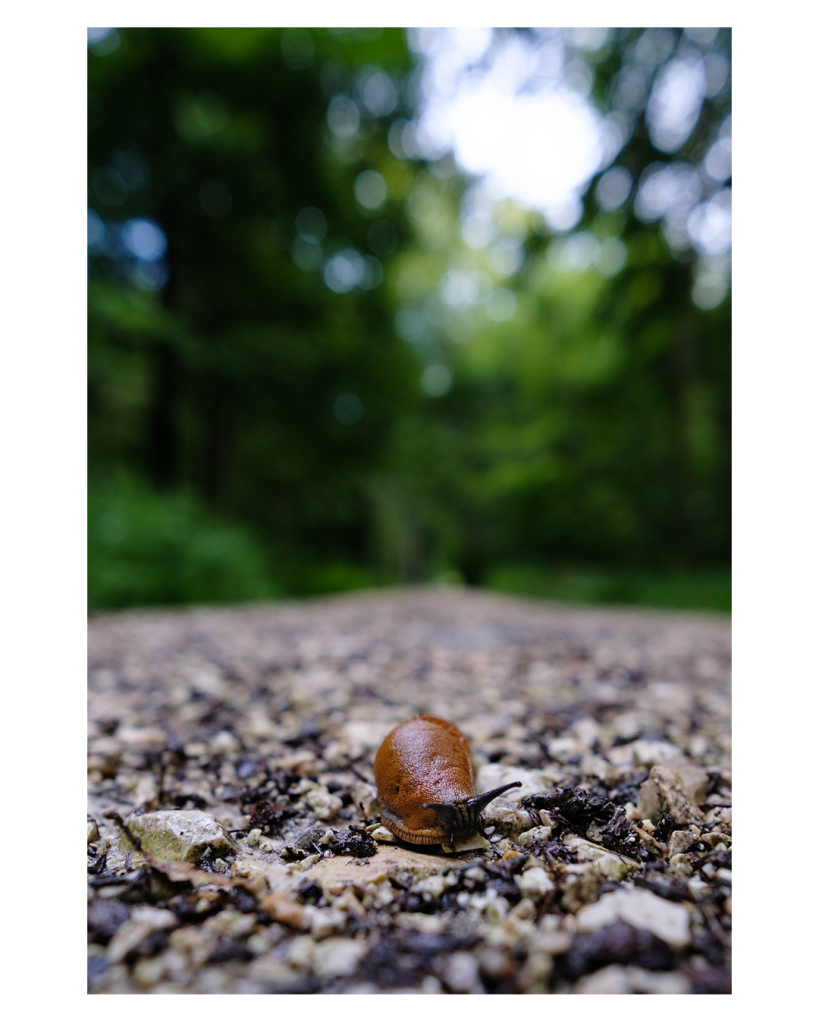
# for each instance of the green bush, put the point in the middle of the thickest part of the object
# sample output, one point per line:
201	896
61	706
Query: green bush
706	590
150	548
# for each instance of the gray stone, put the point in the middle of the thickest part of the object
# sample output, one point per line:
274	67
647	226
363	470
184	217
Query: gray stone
681	841
180	835
664	790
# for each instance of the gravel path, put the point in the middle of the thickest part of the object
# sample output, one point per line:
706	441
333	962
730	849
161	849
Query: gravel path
233	835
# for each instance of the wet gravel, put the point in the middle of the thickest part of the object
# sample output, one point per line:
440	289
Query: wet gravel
608	870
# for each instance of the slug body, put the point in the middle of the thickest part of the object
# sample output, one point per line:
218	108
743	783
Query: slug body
426	783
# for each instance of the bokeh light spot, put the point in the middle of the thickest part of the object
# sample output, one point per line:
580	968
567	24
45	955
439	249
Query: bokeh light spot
377	92
344	270
148	275
371	273
436	380
710	224
96	230
411	325
501	305
343	118
716	73
307	255
144	239
104	41
348	409
675	101
613	188
370	189
709	291
667	189
311	224
718	160
612	256
459	289
506	257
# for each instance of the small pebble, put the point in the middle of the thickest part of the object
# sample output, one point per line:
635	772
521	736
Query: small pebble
680	841
535	882
534	835
336	958
462	974
323	804
382	835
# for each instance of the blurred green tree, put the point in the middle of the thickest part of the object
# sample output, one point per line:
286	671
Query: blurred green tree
219	359
588	422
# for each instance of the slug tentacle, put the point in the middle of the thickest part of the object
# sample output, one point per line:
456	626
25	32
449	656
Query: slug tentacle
466	817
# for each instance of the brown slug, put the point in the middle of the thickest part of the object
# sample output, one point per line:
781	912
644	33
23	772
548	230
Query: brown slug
425	783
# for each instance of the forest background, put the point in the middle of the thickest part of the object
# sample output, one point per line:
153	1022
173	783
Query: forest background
322	355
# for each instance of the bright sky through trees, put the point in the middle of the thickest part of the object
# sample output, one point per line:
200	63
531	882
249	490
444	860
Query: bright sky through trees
515	110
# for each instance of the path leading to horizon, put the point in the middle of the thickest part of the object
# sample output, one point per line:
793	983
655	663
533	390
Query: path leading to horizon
609	869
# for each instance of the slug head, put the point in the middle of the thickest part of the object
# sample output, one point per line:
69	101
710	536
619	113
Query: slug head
465	818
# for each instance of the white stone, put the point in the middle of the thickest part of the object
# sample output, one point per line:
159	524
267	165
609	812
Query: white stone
535	882
534	835
323	804
337	958
564	748
647	753
324	922
680	865
618	980
130	933
435	885
496	910
461	974
510	818
641	909
382	835
606	864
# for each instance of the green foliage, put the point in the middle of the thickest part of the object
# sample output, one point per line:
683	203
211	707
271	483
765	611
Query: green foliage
707	590
146	548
